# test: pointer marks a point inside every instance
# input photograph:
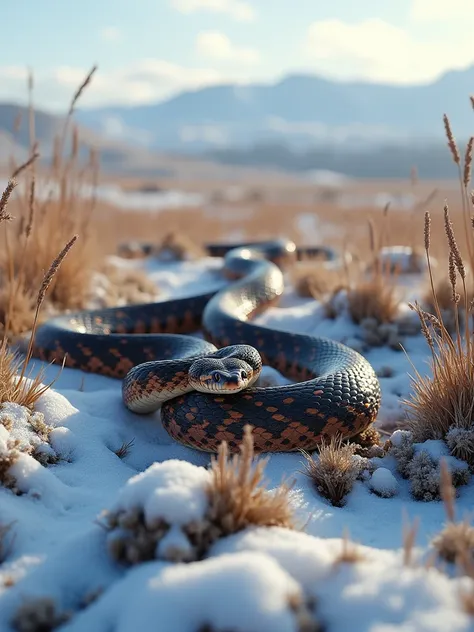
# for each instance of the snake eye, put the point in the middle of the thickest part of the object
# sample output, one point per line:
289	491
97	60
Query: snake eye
243	375
216	377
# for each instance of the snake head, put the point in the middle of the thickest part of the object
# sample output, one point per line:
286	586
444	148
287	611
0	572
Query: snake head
212	375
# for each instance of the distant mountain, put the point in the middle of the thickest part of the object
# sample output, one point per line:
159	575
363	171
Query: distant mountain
115	156
299	110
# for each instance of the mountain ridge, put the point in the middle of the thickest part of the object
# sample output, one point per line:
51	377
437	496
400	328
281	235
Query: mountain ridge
298	109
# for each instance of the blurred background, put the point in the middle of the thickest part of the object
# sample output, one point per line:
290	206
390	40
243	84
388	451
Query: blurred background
225	119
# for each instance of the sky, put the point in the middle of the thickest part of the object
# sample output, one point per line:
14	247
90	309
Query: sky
149	50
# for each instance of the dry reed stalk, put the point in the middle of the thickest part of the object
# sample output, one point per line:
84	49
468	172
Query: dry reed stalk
409	537
455	542
4	216
48	277
77	95
464	174
453	148
468	163
350	552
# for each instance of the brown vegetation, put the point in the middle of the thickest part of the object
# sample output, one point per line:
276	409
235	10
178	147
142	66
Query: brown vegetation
446	398
237	498
312	280
43	226
334	471
455	542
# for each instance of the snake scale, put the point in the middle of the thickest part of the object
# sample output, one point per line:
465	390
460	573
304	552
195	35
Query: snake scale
197	382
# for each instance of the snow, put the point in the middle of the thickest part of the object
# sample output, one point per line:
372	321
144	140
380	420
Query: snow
259	579
173	491
383	482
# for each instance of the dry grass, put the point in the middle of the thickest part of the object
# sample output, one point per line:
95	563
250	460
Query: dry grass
455	542
125	449
124	286
444	399
409	532
350	553
42	227
335	470
15	384
178	246
442	405
237	498
444	297
375	296
311	280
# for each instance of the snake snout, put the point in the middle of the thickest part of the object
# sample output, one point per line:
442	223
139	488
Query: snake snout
225	381
223	376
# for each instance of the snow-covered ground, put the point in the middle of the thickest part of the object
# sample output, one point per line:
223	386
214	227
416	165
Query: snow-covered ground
58	565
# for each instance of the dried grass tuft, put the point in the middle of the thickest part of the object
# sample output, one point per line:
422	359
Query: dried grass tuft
178	246
311	280
125	449
15	384
42	228
374	295
125	286
444	399
335	470
237	498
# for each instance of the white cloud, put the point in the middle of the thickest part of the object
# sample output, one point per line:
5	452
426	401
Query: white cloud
216	45
111	33
375	50
146	81
236	9
435	10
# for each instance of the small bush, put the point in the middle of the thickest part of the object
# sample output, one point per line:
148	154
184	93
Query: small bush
335	470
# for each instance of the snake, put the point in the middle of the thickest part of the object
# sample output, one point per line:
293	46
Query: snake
198	360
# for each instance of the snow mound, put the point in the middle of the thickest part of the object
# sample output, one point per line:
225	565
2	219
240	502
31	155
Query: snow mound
248	592
156	511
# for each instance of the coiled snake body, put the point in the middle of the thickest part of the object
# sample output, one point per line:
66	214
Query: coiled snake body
196	381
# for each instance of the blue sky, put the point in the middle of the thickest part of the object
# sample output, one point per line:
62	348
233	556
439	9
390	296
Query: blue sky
148	50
